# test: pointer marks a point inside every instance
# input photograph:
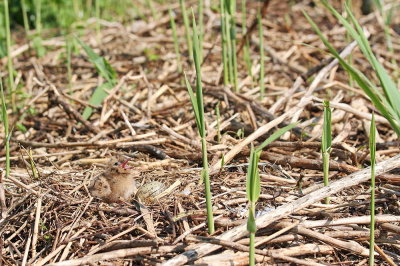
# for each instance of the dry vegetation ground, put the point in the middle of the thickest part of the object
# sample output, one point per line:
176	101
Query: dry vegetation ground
53	218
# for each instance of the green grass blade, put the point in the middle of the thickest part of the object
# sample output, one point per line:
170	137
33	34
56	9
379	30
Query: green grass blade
199	89
97	98
326	132
193	100
276	135
372	149
253	177
103	67
6	129
376	97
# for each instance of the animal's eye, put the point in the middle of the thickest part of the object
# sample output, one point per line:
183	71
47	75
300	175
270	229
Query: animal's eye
116	163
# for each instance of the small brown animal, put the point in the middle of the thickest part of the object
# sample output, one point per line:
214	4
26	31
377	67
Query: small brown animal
116	183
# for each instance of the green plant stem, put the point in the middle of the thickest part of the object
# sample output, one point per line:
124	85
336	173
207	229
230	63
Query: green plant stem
38	14
201	28
6	128
325	158
10	67
224	44
252	237
372	149
252	249
206	177
25	16
187	27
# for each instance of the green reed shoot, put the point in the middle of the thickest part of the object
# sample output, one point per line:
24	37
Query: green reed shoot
200	5
198	108
37	39
10	67
6	128
187	27
25	16
388	103
326	143
246	47
261	36
253	189
176	40
224	44
372	151
253	186
228	27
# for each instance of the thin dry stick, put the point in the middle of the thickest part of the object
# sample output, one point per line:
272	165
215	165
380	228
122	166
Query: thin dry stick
121	253
28	244
384	256
283	230
196	251
36	226
351	246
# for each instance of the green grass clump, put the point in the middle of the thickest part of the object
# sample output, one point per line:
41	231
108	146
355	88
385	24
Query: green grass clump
388	102
228	27
198	108
326	143
372	150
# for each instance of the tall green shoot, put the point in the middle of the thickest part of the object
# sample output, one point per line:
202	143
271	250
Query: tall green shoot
253	186
326	144
176	40
6	129
10	67
25	16
228	26
201	27
253	189
246	48
187	27
372	150
261	36
198	108
37	39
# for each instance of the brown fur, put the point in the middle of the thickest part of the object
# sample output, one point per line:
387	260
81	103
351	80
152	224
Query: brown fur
114	184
